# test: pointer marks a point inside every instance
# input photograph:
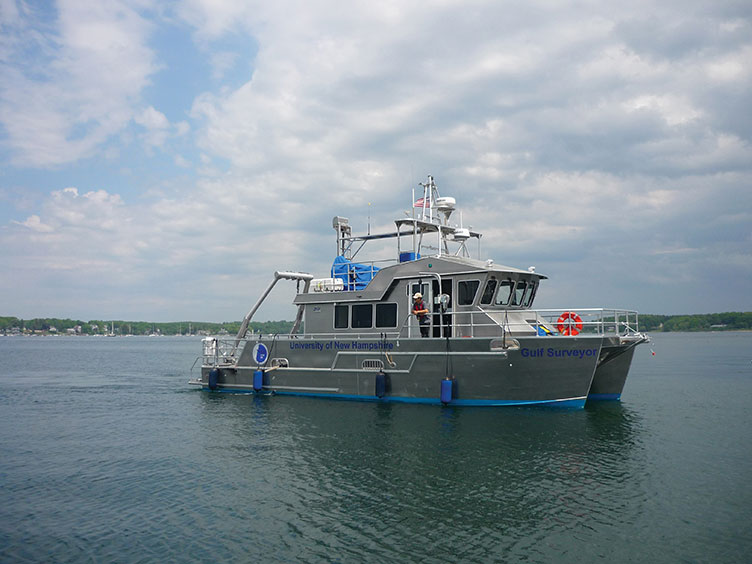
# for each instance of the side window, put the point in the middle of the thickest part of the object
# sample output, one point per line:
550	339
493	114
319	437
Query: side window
340	316
362	316
505	292
466	290
386	315
519	292
489	291
530	294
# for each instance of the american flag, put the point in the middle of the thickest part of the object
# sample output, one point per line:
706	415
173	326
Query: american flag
419	203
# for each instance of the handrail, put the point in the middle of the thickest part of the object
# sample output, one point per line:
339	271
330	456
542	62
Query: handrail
493	323
405	324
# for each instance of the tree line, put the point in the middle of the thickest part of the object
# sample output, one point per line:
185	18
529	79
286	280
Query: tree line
730	321
48	325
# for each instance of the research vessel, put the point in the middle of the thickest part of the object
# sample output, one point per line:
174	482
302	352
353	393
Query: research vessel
355	335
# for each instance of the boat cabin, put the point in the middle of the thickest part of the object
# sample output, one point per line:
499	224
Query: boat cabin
456	290
466	296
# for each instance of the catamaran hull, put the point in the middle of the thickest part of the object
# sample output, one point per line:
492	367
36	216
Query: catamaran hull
484	372
613	368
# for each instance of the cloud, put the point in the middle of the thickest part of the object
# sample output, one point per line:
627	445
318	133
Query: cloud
34	223
70	78
222	63
571	90
156	125
608	145
92	252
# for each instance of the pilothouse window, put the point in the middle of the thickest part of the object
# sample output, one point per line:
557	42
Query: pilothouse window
530	294
489	291
519	292
467	290
504	293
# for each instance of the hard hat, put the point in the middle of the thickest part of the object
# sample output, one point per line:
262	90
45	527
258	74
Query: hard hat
417	295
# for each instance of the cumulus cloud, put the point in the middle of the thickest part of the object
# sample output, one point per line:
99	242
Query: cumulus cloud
156	125
608	145
157	128
34	223
198	255
570	88
70	77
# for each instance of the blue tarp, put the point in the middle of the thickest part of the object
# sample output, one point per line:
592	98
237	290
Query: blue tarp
356	276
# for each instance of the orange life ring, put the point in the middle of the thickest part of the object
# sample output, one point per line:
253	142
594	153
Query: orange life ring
569	323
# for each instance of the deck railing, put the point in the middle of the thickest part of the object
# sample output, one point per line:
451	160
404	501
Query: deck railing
473	323
598	321
541	322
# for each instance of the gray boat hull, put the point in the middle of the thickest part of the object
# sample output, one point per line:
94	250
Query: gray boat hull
613	369
484	371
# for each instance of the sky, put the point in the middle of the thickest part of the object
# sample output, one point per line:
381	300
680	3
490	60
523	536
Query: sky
160	160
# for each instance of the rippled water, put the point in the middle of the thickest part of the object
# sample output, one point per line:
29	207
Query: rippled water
107	455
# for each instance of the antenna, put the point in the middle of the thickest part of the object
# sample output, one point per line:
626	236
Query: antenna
428	196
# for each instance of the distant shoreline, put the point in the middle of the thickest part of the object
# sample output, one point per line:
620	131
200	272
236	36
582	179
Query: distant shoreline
693	323
115	327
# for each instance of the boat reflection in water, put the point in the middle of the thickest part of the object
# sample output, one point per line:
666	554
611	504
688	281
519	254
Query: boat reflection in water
477	341
400	482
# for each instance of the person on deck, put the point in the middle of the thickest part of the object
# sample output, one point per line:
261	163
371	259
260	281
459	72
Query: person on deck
421	312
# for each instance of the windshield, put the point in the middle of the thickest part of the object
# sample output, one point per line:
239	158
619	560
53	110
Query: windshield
530	294
519	292
505	292
489	291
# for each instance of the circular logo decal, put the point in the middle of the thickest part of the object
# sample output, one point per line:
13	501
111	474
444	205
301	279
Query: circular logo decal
260	353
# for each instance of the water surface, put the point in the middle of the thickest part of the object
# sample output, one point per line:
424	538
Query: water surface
106	454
